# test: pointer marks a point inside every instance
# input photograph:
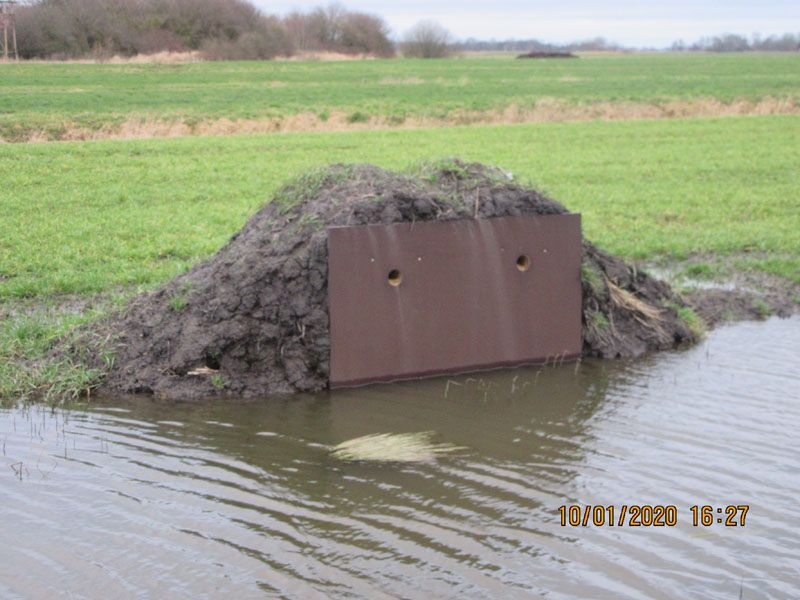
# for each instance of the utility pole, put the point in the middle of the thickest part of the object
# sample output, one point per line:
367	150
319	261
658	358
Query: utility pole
9	24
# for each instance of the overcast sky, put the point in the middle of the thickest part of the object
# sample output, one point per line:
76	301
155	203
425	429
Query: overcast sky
629	22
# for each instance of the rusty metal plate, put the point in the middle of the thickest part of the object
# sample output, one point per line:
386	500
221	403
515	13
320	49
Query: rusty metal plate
413	300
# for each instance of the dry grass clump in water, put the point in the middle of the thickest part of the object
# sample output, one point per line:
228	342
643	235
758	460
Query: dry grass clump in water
392	447
646	314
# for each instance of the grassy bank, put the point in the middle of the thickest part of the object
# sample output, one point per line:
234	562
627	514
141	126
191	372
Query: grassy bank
96	218
62	101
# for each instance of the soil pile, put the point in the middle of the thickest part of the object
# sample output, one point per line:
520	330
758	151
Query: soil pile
253	319
542	54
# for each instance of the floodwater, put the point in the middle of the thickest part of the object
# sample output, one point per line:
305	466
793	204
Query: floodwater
138	498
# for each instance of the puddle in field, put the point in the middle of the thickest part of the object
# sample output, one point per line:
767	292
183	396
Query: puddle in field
140	498
676	277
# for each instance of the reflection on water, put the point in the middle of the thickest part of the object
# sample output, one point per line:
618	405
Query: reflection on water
141	498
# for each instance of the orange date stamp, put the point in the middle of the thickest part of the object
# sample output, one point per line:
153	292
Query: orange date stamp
650	515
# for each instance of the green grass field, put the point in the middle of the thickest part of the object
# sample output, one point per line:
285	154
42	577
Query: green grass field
87	216
52	99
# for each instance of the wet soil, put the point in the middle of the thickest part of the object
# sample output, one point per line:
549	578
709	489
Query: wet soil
730	292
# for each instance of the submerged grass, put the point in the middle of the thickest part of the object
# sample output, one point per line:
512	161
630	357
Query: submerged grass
702	271
393	447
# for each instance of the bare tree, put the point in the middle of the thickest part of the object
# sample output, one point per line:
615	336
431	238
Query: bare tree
267	39
366	34
729	42
427	39
298	28
335	29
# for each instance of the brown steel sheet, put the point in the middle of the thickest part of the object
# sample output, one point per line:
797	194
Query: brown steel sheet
467	295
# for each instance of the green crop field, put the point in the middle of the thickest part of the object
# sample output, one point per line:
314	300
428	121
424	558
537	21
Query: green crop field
86	216
56	101
84	225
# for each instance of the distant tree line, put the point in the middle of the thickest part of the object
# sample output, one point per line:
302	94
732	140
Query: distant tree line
219	29
534	45
427	39
732	42
728	42
235	29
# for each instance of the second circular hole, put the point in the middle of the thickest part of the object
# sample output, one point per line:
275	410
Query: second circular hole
523	262
395	277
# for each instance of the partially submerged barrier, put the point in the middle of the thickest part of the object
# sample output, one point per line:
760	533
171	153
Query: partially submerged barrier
412	300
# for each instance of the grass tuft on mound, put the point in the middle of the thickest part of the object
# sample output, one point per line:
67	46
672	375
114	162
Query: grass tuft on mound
28	369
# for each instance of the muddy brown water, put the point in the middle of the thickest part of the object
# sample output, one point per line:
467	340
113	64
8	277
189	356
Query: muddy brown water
138	498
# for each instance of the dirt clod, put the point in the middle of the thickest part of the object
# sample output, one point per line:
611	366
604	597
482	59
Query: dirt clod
253	319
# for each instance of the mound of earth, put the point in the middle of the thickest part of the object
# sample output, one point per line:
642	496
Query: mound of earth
543	54
253	319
